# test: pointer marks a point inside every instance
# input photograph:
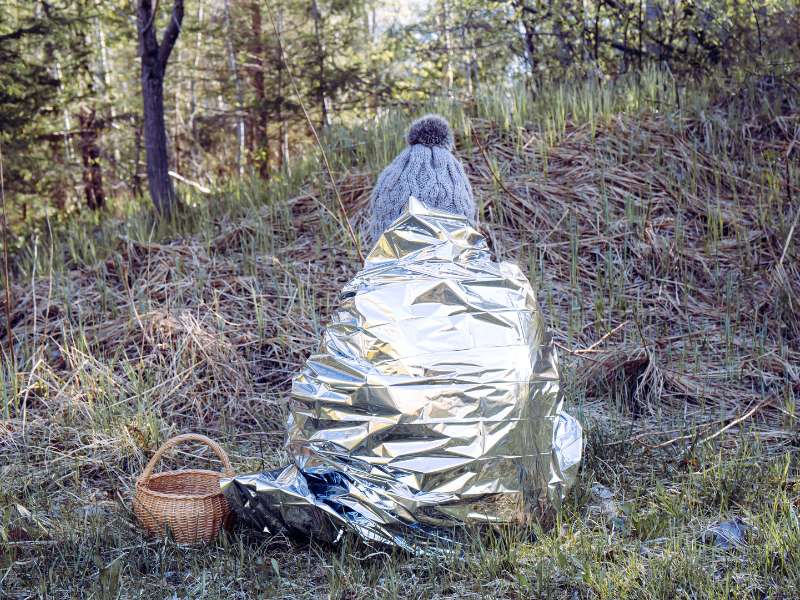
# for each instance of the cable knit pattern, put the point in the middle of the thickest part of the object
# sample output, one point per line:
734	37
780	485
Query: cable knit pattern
430	173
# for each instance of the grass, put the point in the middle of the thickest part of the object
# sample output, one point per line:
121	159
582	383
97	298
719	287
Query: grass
655	221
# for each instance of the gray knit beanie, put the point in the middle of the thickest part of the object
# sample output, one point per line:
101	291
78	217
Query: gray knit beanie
427	170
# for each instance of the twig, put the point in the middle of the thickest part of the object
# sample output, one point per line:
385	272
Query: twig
32	543
35	322
719	432
316	137
602	339
738	420
641	436
789	237
555	227
574	352
669	442
198	186
5	263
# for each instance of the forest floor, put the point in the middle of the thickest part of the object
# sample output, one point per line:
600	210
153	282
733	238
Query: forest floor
661	235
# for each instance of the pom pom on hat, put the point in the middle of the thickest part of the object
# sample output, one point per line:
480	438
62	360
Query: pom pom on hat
430	130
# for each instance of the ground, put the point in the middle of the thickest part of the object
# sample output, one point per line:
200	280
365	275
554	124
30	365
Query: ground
657	224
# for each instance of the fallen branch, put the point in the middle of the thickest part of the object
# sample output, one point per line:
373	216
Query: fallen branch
198	186
679	438
738	420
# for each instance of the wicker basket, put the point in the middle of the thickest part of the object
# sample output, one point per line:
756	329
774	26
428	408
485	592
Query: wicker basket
188	503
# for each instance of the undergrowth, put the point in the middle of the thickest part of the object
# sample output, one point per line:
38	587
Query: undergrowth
656	222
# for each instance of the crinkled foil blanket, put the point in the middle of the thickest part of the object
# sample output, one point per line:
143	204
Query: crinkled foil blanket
434	401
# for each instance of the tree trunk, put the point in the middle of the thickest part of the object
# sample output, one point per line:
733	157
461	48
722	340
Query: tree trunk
529	35
444	18
90	154
104	69
596	40
176	129
321	85
154	64
467	63
68	150
136	180
59	193
155	142
284	131
198	45
259	153
91	172
237	84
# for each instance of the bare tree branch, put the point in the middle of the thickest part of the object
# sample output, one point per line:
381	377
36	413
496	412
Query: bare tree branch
35	29
171	33
148	45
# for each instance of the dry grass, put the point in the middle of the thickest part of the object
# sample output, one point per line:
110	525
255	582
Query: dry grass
662	246
647	236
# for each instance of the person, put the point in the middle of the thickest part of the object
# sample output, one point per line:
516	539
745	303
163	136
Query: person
433	400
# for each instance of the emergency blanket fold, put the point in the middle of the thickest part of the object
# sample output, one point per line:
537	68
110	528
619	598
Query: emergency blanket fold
434	400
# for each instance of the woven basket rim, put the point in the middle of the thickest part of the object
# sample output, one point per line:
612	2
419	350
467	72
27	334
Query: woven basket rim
141	485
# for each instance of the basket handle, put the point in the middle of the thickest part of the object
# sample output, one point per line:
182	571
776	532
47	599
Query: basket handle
187	437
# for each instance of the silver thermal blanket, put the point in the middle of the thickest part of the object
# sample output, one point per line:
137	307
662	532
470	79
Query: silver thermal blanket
434	400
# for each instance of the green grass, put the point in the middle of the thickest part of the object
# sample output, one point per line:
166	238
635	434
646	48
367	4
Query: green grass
652	214
654	548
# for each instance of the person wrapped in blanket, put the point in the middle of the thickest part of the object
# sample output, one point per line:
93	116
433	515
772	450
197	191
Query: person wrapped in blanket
434	398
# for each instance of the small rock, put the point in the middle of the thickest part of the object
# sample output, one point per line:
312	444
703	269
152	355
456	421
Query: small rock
603	502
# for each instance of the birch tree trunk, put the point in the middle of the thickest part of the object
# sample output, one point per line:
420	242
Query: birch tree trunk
103	78
284	125
237	83
89	133
198	43
444	24
321	84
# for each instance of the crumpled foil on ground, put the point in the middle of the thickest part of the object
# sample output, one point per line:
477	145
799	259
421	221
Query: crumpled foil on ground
434	400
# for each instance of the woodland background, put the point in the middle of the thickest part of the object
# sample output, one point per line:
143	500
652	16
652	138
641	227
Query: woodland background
70	95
